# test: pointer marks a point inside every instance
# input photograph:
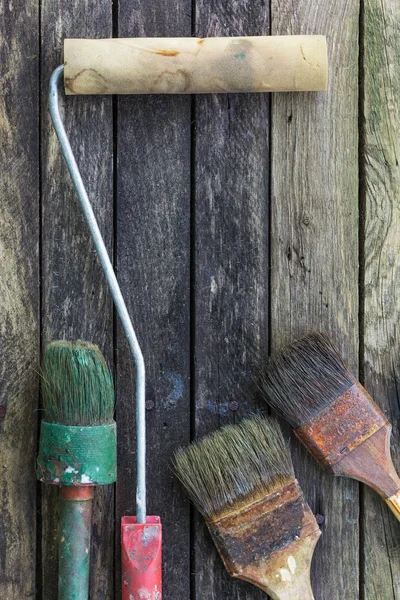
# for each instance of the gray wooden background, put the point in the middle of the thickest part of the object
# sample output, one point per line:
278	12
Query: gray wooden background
236	222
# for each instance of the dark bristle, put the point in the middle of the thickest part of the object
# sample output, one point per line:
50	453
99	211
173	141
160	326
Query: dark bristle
305	378
235	466
77	385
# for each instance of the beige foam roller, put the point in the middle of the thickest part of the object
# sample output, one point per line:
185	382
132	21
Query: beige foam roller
196	66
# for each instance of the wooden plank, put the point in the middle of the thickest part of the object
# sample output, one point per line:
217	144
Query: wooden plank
381	105
314	240
231	261
76	303
153	252
19	295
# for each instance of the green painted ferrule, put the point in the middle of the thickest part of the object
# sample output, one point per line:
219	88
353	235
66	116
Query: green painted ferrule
73	455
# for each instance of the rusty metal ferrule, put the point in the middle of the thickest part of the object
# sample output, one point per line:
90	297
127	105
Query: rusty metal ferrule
251	535
345	424
81	493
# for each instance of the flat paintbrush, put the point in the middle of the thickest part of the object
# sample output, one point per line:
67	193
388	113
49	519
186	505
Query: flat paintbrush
332	414
77	449
241	479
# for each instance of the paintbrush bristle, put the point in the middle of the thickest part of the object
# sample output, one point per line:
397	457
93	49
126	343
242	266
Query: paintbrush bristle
76	384
235	466
304	378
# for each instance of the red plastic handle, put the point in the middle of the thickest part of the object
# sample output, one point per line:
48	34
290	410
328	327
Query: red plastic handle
141	559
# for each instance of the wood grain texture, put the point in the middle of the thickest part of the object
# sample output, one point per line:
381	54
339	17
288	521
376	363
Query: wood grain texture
381	107
153	254
230	262
314	241
314	278
19	295
76	303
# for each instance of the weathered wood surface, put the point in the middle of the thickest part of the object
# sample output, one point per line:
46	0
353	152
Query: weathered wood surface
230	260
153	262
381	112
75	301
202	266
314	246
19	296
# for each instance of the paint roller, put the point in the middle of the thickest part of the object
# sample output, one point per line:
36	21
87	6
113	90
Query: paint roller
289	63
170	66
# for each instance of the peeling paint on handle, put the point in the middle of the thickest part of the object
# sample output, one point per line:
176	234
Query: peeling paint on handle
141	559
73	455
74	545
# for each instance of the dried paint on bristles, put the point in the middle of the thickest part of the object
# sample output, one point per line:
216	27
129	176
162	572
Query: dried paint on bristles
235	466
77	387
304	378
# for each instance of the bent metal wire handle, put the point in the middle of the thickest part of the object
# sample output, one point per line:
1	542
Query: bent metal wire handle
116	294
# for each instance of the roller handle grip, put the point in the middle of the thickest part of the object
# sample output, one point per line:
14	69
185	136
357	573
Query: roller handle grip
141	559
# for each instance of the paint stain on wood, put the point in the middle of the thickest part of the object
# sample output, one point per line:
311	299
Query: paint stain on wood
165	52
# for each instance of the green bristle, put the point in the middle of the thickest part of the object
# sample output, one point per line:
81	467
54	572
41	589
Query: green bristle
235	466
77	385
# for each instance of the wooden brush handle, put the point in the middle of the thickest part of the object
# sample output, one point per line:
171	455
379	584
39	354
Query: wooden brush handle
195	65
74	547
371	463
394	504
303	591
290	580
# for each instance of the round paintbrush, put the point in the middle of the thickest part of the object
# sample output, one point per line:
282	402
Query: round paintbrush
77	449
